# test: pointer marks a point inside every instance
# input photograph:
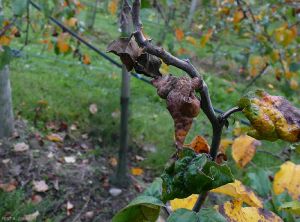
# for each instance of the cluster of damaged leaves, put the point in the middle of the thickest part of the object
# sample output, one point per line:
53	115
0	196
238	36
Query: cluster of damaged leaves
179	92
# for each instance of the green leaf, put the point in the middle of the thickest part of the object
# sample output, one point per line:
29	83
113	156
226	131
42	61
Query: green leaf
5	56
193	174
293	207
183	215
145	4
143	208
19	7
258	180
211	215
155	189
205	215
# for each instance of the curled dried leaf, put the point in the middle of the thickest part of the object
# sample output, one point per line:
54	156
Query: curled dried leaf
182	103
271	117
132	56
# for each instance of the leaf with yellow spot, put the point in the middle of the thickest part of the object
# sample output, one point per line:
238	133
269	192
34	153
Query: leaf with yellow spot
238	16
233	211
238	191
199	144
136	171
179	34
187	203
243	149
271	117
206	38
191	40
288	179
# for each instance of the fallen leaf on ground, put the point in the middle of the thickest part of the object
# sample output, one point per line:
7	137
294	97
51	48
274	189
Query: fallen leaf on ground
93	108
31	217
36	199
233	211
55	138
241	192
187	203
136	171
243	149
69	207
288	178
199	144
113	161
70	159
8	187
115	191
21	147
40	186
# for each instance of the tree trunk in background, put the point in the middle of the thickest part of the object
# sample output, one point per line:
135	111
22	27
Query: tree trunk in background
91	15
6	113
193	7
121	178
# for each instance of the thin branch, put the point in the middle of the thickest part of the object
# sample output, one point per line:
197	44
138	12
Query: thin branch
136	15
262	72
224	116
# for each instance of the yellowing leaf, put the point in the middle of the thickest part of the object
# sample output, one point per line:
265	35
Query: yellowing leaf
199	144
191	40
86	59
294	84
206	37
284	35
62	45
179	34
164	69
288	179
238	191
225	143
71	22
113	161
55	138
233	211
8	187
113	7
5	40
238	16
136	171
256	64
187	203
243	149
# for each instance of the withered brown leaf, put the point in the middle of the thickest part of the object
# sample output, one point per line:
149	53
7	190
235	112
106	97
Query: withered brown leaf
132	56
182	103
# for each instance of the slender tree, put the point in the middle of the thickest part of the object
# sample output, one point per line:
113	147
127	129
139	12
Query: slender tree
121	178
91	15
193	8
6	113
